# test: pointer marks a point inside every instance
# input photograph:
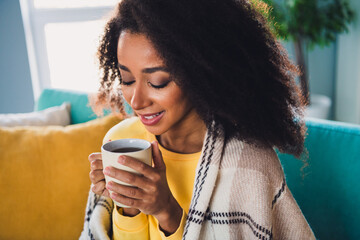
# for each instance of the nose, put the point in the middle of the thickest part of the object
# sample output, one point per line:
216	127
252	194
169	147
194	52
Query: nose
139	98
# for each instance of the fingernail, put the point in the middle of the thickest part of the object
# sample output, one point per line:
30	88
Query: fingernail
121	159
107	171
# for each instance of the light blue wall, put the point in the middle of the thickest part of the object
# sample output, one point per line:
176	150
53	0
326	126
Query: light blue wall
348	72
322	70
322	62
16	94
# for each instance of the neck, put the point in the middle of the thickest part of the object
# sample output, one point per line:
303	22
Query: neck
185	138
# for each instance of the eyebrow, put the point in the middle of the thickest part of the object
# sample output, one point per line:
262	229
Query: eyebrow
146	70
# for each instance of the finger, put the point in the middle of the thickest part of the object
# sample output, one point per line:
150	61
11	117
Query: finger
135	164
134	203
96	176
127	191
106	193
98	188
157	156
96	164
127	177
94	156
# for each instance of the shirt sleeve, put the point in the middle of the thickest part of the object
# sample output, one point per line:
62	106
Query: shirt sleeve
177	235
130	228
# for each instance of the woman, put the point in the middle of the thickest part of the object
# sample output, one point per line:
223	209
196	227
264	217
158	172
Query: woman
215	93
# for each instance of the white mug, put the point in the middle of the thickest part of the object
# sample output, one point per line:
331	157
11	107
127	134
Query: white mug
136	148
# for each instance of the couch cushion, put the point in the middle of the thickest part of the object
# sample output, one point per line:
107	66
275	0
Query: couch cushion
80	108
58	115
44	178
329	193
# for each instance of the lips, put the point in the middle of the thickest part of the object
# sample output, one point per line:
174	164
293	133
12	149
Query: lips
151	119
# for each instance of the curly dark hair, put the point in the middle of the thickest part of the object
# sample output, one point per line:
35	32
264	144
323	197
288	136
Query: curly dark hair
226	60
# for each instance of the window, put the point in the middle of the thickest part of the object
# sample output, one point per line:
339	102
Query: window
62	38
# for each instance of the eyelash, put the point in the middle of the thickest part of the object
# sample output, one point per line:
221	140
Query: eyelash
154	86
126	83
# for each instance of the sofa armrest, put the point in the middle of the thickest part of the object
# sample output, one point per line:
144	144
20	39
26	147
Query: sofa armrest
327	190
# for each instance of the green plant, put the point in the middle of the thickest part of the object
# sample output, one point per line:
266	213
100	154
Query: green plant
309	23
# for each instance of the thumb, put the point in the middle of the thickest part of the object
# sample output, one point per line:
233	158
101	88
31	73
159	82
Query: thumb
157	156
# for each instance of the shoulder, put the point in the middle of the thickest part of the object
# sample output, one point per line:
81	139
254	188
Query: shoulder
265	160
128	128
255	158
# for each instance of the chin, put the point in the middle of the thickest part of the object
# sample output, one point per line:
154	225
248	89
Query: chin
154	130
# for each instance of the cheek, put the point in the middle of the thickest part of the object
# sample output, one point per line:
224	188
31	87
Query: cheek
171	100
176	101
127	94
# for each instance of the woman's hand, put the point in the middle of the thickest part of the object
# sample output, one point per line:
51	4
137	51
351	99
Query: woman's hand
97	179
150	192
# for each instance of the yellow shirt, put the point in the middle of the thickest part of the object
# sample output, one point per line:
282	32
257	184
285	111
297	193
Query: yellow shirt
180	173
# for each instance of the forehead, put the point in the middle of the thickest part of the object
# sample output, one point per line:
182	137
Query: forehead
134	48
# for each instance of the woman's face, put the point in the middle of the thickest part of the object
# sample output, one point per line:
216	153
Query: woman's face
147	85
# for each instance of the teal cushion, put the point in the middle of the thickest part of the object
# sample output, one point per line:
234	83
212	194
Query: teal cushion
329	193
80	109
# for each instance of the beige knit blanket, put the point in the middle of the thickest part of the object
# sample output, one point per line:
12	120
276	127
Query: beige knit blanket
239	193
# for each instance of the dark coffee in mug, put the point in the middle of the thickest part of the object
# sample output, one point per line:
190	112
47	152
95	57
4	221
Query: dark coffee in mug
126	149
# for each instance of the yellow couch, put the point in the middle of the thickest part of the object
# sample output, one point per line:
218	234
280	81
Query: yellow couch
44	178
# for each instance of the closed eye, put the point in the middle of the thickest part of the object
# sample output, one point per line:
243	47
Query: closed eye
159	86
127	83
150	84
